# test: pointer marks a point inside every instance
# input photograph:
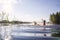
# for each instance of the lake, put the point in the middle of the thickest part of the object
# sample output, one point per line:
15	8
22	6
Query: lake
27	32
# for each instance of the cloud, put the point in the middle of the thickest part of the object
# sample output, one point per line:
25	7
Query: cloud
8	1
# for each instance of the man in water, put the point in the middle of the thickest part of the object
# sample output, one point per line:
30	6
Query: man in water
44	22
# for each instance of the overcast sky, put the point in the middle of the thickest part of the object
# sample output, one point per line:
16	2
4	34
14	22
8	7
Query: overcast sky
29	10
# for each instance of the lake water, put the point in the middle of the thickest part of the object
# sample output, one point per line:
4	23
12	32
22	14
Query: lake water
27	32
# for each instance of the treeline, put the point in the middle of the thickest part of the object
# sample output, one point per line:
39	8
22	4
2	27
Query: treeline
14	22
55	18
4	18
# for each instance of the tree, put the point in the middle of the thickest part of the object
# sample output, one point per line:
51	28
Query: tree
55	18
3	16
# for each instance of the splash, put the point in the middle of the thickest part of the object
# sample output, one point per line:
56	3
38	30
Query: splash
7	6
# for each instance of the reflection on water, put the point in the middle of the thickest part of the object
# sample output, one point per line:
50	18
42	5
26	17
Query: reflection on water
31	31
23	31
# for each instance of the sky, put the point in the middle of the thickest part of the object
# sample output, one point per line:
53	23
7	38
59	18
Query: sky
29	10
